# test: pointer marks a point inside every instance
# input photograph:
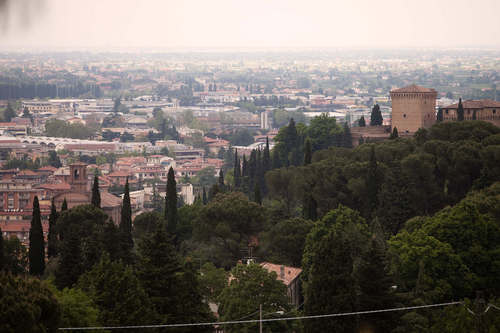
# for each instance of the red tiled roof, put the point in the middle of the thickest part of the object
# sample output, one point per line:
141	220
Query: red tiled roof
413	89
118	174
475	104
56	187
47	168
290	273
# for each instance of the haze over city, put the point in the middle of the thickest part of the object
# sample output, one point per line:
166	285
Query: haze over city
229	24
229	166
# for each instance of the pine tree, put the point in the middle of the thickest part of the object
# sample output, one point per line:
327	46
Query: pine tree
171	202
237	170
64	205
52	237
394	134
266	161
376	116
307	152
460	110
96	196
126	224
362	122
37	247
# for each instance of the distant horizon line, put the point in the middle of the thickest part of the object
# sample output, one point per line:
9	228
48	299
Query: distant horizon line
231	49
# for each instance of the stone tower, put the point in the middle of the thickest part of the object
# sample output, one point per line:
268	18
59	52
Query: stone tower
78	177
413	107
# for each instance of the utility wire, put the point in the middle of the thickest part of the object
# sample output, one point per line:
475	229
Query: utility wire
264	320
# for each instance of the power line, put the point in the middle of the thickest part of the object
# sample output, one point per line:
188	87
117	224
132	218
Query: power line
233	322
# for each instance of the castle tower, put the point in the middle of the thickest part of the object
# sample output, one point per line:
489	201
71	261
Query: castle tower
413	107
78	177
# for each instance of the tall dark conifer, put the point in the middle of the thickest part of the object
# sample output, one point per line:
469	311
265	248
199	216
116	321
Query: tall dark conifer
310	208
126	223
2	252
64	205
96	196
266	158
372	182
52	237
237	170
37	246
307	152
256	196
362	122
171	202
394	134
440	115
221	180
376	116
460	110
346	137
205	199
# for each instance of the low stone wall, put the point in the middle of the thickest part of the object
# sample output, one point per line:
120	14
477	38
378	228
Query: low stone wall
370	133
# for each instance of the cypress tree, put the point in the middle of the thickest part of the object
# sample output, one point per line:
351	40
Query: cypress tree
37	247
474	115
64	205
221	179
71	261
205	199
96	196
52	237
307	152
375	287
252	169
157	271
266	160
394	134
276	161
460	110
347	137
362	122
171	202
237	170
257	197
372	182
440	115
310	208
126	223
2	252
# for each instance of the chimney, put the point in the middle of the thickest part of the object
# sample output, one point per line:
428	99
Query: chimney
282	272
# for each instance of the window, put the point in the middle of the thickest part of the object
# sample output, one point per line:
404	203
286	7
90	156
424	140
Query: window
494	111
404	115
446	111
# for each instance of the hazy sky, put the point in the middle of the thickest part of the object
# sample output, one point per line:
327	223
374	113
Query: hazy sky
249	23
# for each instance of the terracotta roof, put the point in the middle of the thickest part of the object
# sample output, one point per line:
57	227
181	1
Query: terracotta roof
118	174
27	172
47	168
110	200
290	273
58	186
413	89
475	104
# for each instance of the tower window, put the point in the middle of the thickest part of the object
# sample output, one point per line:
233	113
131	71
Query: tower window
446	111
77	174
404	115
494	111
